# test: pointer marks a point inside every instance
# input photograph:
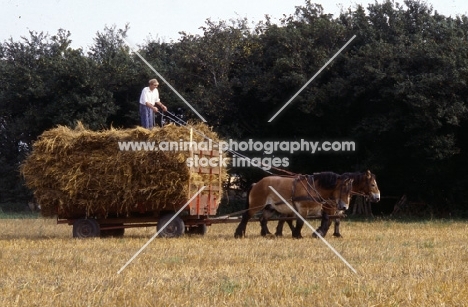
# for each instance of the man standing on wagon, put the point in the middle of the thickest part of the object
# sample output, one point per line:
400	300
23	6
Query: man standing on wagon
149	102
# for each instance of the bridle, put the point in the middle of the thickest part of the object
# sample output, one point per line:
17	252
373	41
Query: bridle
308	183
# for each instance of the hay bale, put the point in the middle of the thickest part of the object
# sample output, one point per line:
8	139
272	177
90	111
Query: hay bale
78	172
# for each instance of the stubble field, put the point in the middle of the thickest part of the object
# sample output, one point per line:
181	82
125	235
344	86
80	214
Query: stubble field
398	264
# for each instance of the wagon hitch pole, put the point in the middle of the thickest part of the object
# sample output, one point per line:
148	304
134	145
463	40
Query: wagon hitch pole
318	234
162	228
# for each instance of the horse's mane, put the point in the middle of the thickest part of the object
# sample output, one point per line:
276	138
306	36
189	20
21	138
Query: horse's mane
326	180
358	177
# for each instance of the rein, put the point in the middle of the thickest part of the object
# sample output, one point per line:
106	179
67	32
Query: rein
359	194
285	171
308	188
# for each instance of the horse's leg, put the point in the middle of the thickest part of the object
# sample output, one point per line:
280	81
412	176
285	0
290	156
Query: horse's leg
297	230
290	224
337	229
279	228
323	229
324	225
268	211
240	230
264	227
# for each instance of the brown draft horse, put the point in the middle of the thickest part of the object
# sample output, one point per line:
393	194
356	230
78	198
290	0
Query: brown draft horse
364	184
307	193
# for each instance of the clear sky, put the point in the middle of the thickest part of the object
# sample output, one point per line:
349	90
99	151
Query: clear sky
157	18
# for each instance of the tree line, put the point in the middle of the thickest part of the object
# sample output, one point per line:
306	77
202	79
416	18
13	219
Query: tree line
398	91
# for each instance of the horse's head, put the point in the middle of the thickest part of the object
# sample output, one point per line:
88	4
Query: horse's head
371	189
344	197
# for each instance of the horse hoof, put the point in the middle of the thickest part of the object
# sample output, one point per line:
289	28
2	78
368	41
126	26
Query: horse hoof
238	235
337	235
278	234
314	235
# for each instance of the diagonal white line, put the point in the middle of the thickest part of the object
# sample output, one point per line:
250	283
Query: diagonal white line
318	234
161	229
311	79
162	78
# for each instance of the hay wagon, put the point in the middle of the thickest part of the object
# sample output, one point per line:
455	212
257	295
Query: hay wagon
90	181
194	219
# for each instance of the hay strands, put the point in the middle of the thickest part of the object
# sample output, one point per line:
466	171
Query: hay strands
78	173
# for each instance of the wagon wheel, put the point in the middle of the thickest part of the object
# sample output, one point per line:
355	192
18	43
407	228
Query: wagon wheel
199	229
116	233
86	228
175	228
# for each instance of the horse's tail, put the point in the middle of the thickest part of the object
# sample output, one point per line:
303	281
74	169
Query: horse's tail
247	203
240	230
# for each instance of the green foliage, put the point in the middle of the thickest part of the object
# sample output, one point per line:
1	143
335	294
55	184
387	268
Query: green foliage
407	86
45	83
399	91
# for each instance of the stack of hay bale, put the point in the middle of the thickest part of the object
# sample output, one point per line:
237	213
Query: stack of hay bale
82	173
